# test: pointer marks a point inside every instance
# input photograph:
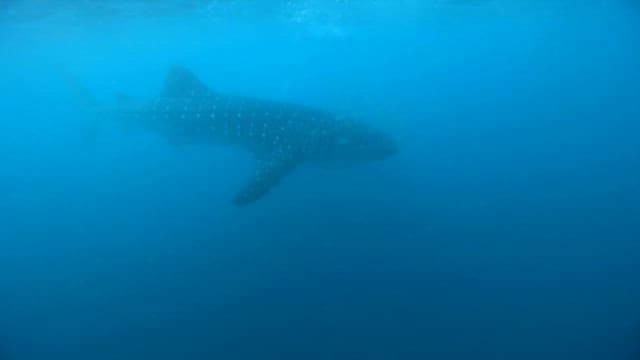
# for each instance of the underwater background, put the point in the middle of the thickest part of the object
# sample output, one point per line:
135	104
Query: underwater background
506	227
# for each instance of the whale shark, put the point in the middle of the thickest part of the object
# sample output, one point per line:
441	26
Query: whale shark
281	136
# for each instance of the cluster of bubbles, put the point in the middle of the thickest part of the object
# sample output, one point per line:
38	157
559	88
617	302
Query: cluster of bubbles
299	11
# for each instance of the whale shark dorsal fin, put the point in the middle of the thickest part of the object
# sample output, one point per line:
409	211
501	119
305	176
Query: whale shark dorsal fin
124	100
181	83
269	170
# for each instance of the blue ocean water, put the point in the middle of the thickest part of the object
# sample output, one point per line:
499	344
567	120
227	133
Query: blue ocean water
506	227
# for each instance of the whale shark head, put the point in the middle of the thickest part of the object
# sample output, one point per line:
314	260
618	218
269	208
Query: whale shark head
356	143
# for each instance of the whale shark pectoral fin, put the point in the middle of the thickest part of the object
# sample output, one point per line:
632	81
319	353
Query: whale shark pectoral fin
269	170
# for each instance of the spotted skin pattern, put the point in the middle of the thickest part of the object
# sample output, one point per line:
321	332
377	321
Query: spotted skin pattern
279	135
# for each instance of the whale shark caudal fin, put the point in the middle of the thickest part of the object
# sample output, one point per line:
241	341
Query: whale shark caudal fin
269	170
181	83
86	101
83	96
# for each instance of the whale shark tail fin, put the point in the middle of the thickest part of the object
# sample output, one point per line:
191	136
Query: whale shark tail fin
87	102
83	96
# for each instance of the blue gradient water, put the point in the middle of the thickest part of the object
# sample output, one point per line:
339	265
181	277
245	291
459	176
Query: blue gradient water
507	227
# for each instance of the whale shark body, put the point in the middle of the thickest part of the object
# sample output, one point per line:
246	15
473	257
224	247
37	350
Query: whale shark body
281	136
